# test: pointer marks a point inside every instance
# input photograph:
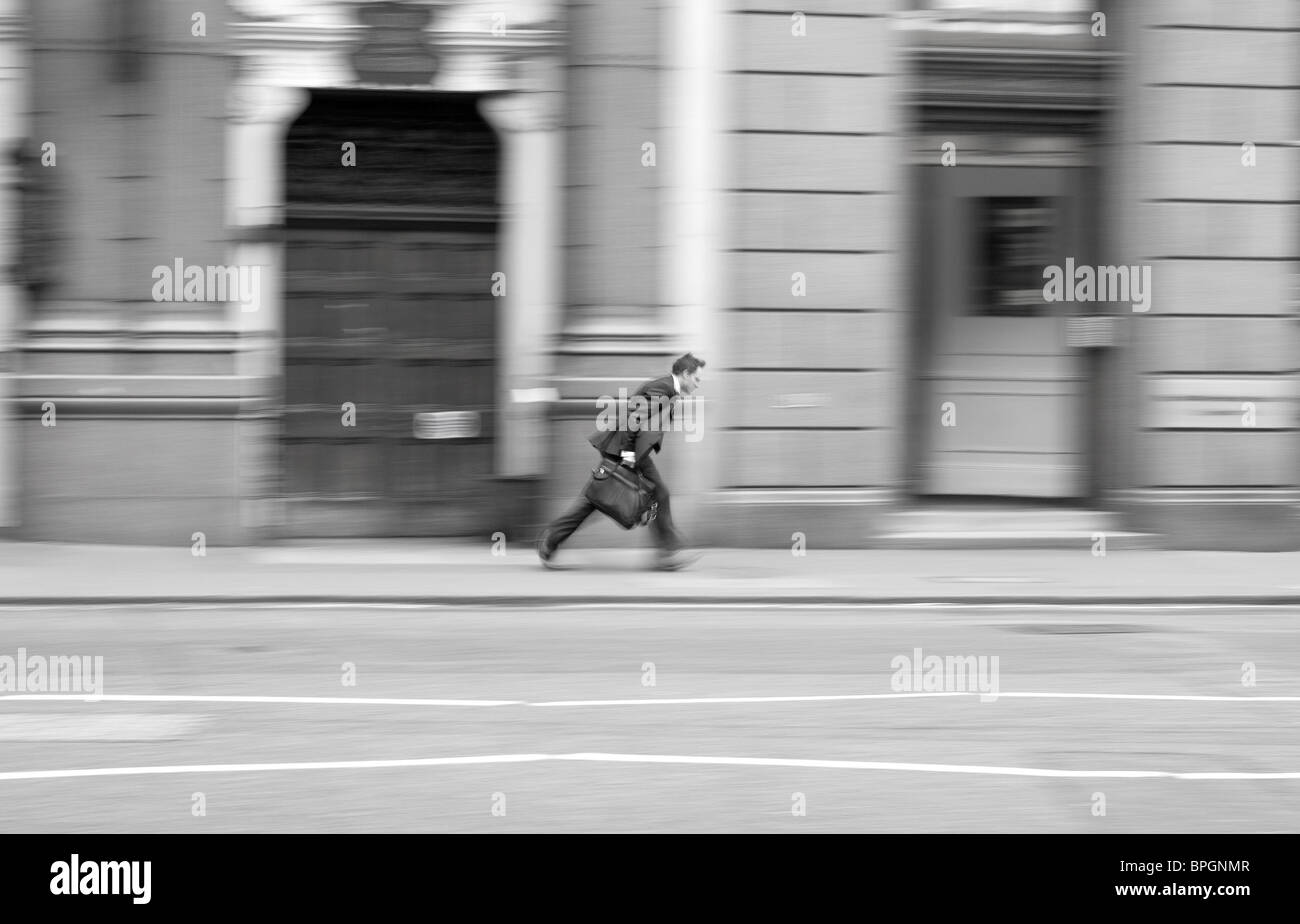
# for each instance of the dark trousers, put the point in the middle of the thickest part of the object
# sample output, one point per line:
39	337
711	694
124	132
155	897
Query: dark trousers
667	538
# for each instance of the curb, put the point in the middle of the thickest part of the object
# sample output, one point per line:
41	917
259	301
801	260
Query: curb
641	602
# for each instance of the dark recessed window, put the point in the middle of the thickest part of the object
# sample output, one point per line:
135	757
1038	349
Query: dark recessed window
1013	245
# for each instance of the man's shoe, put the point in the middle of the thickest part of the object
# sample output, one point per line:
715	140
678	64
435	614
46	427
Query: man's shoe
676	561
545	551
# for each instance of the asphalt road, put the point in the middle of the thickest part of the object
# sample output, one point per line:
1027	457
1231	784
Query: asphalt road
561	713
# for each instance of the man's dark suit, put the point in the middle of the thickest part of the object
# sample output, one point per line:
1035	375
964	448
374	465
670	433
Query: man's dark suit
649	415
648	420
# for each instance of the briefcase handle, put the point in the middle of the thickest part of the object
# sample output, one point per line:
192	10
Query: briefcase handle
606	466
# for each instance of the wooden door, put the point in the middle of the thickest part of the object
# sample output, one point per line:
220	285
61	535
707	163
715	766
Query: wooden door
389	381
390	325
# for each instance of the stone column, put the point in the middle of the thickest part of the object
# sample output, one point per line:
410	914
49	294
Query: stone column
14	125
260	117
527	124
1119	240
694	114
261	113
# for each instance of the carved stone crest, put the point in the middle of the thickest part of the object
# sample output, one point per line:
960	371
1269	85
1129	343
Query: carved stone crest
394	49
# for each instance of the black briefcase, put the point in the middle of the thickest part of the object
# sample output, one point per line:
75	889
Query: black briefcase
623	494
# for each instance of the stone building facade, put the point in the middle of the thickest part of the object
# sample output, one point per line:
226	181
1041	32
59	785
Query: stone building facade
847	209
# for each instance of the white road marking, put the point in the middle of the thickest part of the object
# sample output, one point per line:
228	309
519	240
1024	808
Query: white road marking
645	759
800	604
923	768
304	700
1191	698
739	699
796	605
648	701
263	768
862	696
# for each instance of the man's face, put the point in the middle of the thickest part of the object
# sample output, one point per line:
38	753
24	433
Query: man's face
690	381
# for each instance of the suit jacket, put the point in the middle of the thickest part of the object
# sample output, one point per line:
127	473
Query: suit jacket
649	416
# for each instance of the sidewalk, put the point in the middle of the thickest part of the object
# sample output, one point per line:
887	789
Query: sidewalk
458	573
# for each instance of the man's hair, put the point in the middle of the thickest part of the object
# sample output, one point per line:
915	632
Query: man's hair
688	364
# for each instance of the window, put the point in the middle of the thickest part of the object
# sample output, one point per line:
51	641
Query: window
1013	244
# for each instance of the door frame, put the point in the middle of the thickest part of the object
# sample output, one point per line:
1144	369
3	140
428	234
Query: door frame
385	513
1041	151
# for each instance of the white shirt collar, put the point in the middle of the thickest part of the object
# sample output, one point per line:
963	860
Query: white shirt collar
677	384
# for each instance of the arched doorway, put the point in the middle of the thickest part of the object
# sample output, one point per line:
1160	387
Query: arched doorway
390	326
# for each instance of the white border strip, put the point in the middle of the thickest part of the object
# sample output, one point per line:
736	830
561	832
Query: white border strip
506	606
741	699
648	701
645	759
285	700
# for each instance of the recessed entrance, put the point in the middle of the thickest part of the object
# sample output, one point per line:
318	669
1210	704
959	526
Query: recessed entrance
1005	409
390	327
